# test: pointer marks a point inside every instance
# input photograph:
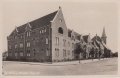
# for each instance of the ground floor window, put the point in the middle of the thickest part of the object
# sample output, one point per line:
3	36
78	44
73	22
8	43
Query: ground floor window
68	52
72	53
21	53
34	52
64	53
16	54
28	52
10	54
56	52
47	52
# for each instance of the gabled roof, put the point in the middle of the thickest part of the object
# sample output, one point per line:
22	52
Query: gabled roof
40	22
96	38
85	38
43	21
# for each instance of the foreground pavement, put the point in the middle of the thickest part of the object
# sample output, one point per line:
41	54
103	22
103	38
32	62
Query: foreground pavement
107	66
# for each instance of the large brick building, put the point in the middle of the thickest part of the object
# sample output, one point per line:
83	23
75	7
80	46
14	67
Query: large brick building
47	39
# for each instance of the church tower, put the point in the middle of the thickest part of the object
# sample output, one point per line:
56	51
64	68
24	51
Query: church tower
104	36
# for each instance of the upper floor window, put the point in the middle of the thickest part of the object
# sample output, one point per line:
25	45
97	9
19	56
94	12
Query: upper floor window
60	20
72	45
60	30
21	45
64	42
15	45
57	40
15	37
28	44
45	30
21	36
28	34
40	31
46	40
9	47
73	38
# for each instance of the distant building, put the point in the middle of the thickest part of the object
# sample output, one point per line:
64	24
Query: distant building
47	39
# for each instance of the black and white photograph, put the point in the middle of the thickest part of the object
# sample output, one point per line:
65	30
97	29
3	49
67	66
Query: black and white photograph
59	37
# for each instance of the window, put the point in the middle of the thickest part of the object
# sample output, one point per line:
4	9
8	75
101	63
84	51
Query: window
15	45
28	52
28	34
21	45
57	41
64	53
34	52
57	52
64	42
9	47
68	52
46	40
45	30
60	20
47	52
72	45
15	37
69	44
72	53
73	37
21	36
40	31
16	54
60	30
10	54
21	53
28	44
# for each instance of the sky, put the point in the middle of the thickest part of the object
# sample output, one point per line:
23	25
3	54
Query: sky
83	17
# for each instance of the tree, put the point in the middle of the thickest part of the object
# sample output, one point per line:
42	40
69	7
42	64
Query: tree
79	49
92	52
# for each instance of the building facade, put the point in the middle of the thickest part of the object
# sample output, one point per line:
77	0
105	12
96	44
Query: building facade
47	39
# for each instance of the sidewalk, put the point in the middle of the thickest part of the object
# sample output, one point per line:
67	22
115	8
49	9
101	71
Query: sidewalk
77	62
61	63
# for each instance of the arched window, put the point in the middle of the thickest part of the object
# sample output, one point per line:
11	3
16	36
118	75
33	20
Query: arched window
60	30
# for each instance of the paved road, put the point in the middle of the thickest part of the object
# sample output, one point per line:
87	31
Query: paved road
102	67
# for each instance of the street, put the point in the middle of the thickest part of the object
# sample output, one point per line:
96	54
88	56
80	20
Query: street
107	66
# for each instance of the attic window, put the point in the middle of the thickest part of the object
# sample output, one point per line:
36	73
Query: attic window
60	30
60	20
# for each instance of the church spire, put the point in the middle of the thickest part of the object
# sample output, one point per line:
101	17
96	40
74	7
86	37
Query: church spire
104	36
